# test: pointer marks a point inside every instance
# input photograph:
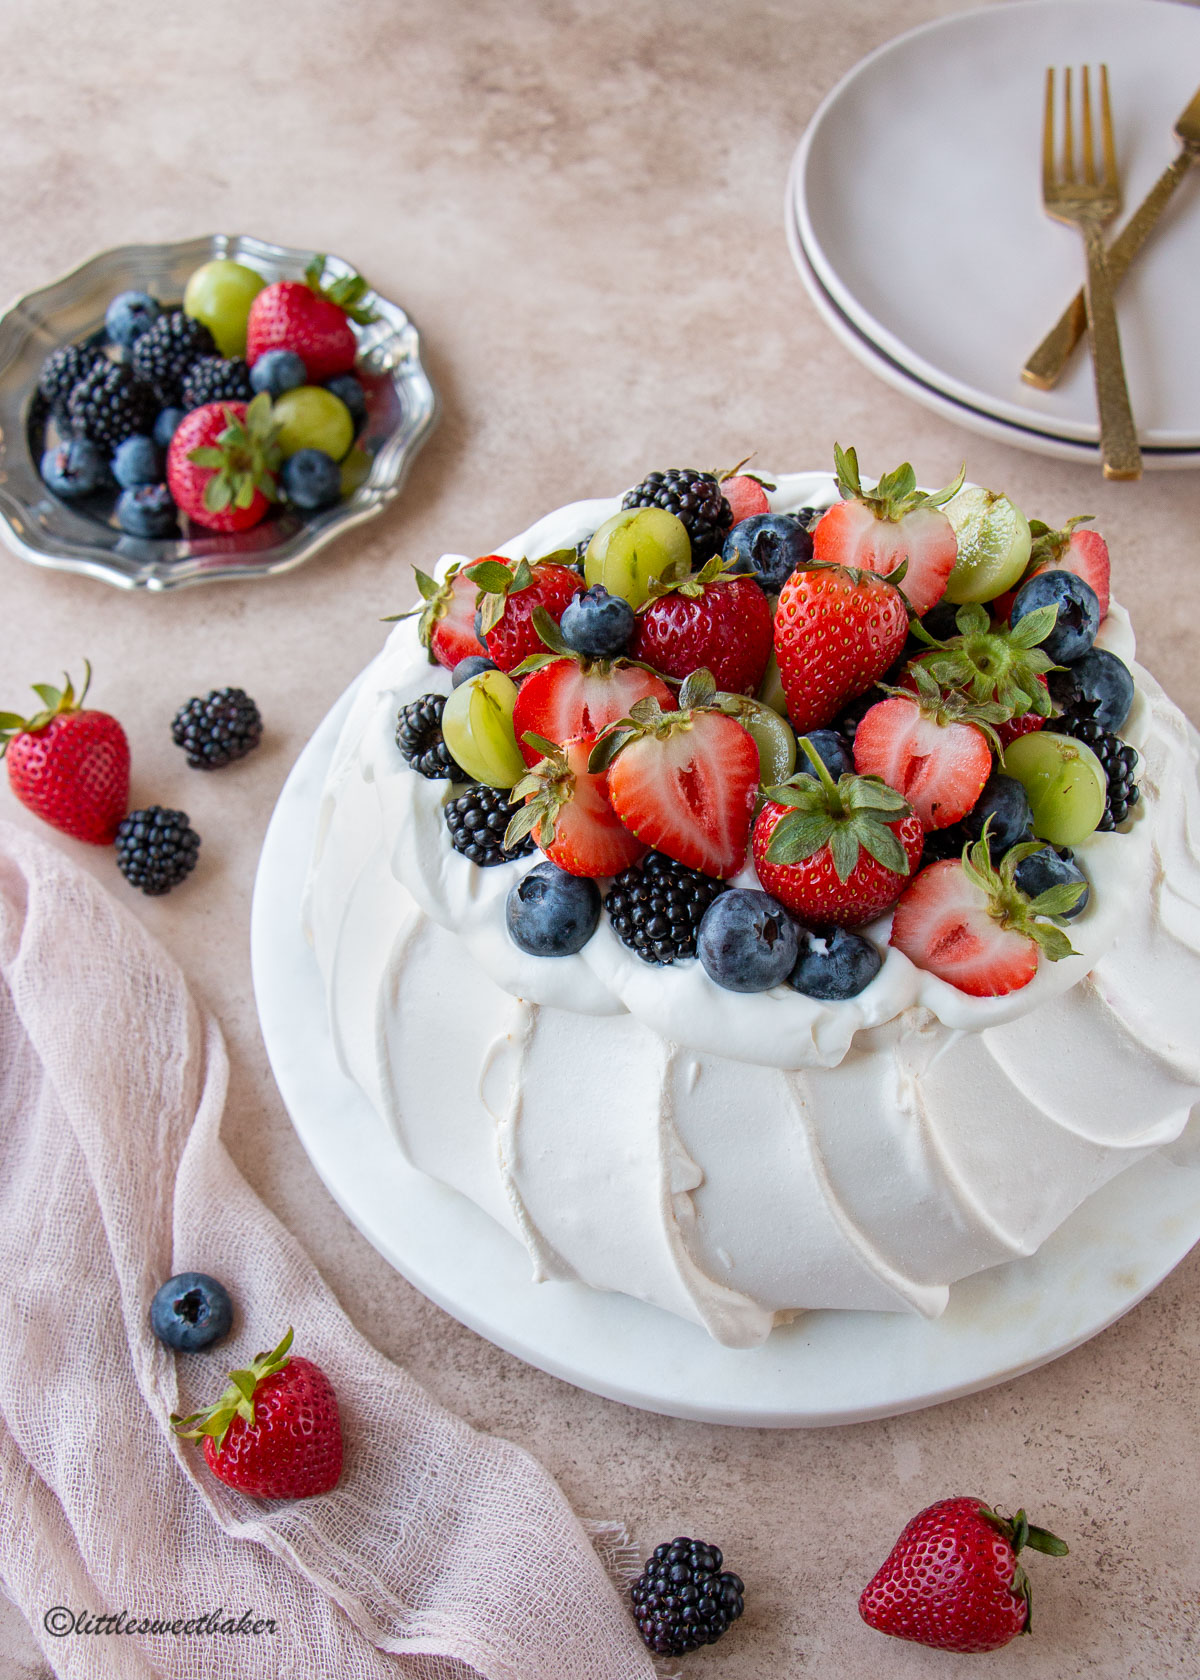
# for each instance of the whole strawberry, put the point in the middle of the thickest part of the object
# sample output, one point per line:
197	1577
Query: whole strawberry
952	1579
310	319
68	765
892	526
222	462
510	591
706	619
275	1431
837	630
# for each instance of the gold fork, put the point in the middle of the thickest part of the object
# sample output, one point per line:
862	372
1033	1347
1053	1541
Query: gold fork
1089	203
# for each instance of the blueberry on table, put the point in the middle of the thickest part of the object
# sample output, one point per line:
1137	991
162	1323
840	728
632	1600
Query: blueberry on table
769	547
551	913
74	469
146	510
834	966
129	315
191	1311
597	624
747	941
1078	612
138	460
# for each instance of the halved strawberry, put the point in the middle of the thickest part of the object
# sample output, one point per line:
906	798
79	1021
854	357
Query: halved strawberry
836	632
706	619
967	922
509	592
447	624
570	696
928	748
684	781
1070	550
891	526
567	811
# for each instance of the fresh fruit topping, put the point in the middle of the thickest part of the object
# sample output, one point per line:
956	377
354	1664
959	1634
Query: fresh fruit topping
219	294
74	468
67	765
156	849
771	734
706	619
769	547
1018	726
834	751
147	511
1119	762
166	425
1078	613
468	668
310	417
278	371
222	462
275	1432
836	632
419	738
311	319
477	724
349	390
683	781
164	353
1038	871
952	1580
128	316
966	921
934	748
656	907
567	811
747	941
550	913
564	697
993	544
311	480
834	966
836	853
216	379
1098	686
683	1598
217	730
109	404
62	371
597	624
446	625
191	1311
1072	550
509	593
477	820
1004	807
1065	782
746	496
891	526
695	498
997	664
137	461
770	689
632	548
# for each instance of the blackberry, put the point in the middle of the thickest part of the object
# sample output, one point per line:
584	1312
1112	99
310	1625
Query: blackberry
164	353
63	369
695	497
156	849
419	737
110	404
217	730
477	820
683	1598
1119	760
216	379
656	907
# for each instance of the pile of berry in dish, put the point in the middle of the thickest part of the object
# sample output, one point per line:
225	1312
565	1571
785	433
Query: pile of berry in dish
747	736
213	412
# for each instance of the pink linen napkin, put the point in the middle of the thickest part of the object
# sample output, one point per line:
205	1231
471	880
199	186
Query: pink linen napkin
442	1553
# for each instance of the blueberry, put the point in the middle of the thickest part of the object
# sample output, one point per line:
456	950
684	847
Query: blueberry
1098	685
1078	612
1048	868
191	1311
832	749
129	315
311	479
1005	801
137	461
550	913
834	966
278	371
747	941
165	426
146	511
75	468
349	389
769	546
597	624
470	667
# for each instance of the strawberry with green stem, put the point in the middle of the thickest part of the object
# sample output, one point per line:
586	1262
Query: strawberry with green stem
712	619
69	764
222	464
837	630
568	813
312	319
892	525
446	625
510	591
1070	550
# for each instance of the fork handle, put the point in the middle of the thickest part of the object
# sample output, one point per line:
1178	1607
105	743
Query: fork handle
1044	368
1119	452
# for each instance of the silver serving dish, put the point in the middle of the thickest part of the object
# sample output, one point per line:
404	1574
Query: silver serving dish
40	527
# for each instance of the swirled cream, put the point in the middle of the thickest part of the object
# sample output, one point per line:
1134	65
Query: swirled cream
732	1157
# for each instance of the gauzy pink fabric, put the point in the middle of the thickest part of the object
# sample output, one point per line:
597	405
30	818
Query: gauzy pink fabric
442	1553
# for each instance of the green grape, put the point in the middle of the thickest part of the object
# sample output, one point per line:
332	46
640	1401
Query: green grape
770	689
356	469
774	738
310	417
993	545
219	295
634	546
477	726
1065	783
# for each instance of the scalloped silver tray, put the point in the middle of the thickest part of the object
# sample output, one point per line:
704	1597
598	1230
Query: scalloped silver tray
41	528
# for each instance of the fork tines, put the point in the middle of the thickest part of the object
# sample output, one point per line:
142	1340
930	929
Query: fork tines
1049	175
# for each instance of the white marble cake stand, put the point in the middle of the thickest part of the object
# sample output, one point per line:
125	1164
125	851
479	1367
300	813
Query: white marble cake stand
825	1368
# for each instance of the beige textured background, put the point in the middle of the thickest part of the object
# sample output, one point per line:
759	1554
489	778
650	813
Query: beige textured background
581	206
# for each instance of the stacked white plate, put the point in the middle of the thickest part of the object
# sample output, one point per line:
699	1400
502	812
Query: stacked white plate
914	217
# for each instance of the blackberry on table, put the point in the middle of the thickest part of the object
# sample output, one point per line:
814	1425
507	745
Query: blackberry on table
163	354
1120	764
419	737
216	379
63	369
110	404
656	907
477	820
217	730
695	498
683	1598
156	849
